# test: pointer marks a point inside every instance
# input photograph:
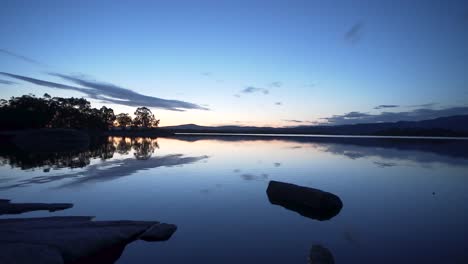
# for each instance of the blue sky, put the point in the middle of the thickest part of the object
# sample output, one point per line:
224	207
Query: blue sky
271	62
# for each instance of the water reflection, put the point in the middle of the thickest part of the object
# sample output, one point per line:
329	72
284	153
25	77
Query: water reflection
107	169
144	148
421	151
15	157
101	148
110	170
389	208
253	177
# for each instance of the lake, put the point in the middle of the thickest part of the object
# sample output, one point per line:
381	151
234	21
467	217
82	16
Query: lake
404	200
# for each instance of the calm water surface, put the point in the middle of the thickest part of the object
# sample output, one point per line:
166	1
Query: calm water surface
404	201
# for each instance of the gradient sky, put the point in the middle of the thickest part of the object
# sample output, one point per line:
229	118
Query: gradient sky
278	63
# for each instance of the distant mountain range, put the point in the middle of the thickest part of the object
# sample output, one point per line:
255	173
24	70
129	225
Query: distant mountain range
443	126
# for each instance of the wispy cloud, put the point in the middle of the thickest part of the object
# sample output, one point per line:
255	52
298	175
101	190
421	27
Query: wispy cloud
293	121
382	164
252	89
354	34
386	106
109	93
20	57
414	115
299	121
6	82
276	84
428	105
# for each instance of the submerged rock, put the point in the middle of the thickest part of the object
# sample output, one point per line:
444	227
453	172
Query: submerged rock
17	208
308	202
320	255
74	239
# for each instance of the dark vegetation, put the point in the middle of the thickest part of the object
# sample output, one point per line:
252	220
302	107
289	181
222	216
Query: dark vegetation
31	112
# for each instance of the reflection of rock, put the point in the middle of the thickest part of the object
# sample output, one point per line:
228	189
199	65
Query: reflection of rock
309	202
320	255
73	239
17	208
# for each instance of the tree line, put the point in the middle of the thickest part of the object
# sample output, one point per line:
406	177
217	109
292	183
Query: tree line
31	112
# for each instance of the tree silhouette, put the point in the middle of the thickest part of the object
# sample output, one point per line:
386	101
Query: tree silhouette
31	112
155	123
143	117
107	115
123	120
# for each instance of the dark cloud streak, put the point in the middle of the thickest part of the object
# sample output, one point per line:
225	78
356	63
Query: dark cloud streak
20	57
414	115
298	121
428	105
386	106
110	93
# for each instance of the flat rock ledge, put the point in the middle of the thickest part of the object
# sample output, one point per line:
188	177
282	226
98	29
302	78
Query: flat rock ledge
73	239
6	207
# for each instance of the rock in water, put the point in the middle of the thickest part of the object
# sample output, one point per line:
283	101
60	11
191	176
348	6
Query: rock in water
74	239
320	255
308	202
159	232
17	208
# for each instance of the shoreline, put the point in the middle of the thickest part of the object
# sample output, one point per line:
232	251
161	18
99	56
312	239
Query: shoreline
319	136
74	137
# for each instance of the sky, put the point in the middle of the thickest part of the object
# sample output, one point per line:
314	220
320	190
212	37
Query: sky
261	63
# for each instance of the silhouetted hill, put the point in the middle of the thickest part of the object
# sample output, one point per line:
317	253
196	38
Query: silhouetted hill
443	126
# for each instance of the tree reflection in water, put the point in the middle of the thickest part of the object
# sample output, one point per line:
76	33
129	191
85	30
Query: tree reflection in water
144	148
123	145
102	148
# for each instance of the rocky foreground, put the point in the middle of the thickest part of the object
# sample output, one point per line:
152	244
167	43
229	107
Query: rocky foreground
70	239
